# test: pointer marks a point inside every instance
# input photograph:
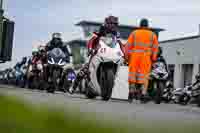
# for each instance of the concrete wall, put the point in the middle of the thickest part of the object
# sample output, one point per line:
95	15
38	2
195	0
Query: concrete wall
182	51
185	55
120	90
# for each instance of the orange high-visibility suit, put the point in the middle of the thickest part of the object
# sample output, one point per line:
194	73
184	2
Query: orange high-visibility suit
142	49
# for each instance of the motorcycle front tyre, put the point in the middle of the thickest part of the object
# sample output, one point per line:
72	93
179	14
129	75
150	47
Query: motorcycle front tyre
108	84
159	87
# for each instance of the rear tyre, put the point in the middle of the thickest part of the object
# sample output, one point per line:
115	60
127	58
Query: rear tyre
22	83
158	96
35	84
167	99
183	99
50	88
107	84
88	92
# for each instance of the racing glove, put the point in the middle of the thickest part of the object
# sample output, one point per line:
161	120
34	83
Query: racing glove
91	52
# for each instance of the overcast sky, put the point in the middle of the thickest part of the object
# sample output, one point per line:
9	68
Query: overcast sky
37	19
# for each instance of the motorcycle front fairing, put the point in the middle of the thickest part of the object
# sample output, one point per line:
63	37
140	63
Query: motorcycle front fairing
56	57
159	71
105	54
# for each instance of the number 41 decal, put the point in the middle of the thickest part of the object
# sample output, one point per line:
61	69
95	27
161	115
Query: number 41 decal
103	50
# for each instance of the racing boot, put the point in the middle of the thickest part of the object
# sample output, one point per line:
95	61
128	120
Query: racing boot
132	89
144	98
75	85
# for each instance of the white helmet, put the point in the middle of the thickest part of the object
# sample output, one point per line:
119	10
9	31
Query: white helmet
34	50
41	48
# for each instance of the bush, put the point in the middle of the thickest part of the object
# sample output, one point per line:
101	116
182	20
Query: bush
17	117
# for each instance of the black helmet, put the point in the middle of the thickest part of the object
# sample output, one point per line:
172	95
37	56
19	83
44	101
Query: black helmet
57	35
24	59
144	23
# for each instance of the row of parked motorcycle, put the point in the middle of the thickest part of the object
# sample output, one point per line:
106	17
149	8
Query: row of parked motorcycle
162	89
190	94
13	76
31	72
101	80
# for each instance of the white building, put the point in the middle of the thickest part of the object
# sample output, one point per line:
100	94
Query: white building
183	57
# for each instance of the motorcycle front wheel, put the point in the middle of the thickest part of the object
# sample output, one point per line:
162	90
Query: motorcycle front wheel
159	87
68	83
107	84
184	99
56	77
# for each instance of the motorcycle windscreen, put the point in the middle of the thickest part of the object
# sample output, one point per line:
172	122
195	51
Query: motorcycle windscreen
109	53
159	67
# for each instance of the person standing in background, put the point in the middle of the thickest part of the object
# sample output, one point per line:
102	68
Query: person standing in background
142	51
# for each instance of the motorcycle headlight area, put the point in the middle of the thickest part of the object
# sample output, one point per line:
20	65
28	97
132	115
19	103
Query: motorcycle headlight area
71	76
51	61
61	62
39	66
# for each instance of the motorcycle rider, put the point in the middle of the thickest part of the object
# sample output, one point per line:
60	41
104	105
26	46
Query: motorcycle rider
56	42
42	53
108	28
32	63
20	64
142	48
160	58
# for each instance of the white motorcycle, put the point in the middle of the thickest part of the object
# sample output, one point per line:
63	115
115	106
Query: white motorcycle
103	69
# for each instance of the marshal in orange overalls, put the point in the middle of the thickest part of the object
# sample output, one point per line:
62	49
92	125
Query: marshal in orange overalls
142	49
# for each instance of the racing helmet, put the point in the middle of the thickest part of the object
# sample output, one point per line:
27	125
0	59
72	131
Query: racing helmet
111	23
57	35
41	48
24	59
35	51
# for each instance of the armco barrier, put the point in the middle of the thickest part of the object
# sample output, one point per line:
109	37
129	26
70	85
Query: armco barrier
120	90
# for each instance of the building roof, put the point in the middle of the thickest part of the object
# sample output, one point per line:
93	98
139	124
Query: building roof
180	39
124	30
85	23
77	41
